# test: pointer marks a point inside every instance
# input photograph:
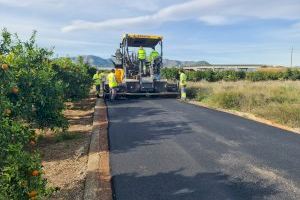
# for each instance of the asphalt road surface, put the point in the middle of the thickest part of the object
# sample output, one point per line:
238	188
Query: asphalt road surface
162	149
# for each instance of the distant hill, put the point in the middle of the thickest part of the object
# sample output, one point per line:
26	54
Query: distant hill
96	61
102	62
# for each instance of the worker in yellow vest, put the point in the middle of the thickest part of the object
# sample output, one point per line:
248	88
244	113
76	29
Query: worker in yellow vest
112	83
153	55
98	81
142	59
182	84
152	59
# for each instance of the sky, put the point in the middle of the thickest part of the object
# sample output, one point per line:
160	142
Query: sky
218	31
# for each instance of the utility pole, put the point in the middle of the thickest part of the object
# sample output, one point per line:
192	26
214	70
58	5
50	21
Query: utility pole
292	51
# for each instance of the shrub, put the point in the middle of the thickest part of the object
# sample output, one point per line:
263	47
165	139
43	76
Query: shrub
210	76
275	100
231	75
76	80
33	89
170	73
192	92
228	99
18	161
266	75
32	95
38	97
195	75
91	71
292	74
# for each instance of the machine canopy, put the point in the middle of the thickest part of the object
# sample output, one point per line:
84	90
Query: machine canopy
135	40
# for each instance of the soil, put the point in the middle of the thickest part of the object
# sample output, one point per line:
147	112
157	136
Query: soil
65	158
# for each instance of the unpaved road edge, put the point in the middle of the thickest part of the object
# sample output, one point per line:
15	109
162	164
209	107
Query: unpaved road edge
98	179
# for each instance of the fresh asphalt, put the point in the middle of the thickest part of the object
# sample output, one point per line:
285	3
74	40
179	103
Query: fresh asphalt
163	149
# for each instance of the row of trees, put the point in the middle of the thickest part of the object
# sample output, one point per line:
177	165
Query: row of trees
33	90
230	75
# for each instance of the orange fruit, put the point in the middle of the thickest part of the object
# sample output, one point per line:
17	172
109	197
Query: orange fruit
15	90
4	66
32	193
35	173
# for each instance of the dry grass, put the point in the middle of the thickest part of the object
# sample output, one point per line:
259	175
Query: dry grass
272	69
278	101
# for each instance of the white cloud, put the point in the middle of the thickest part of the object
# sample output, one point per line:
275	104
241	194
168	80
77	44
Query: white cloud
171	13
211	12
27	3
214	20
108	24
113	18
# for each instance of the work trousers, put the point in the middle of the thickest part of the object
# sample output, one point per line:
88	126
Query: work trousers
142	65
113	93
183	92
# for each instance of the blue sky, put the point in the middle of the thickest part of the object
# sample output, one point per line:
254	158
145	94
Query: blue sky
219	31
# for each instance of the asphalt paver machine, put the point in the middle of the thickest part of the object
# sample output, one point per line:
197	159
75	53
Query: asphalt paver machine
132	79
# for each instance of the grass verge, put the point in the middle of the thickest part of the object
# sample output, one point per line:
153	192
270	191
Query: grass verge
278	101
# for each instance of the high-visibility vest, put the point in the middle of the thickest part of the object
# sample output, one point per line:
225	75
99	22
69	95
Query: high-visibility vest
141	54
154	54
183	79
111	78
119	74
97	78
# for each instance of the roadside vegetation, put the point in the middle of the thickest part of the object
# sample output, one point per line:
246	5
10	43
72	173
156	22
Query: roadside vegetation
270	93
278	101
263	74
33	92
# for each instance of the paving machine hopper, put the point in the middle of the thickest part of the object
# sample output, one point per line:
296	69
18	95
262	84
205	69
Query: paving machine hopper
133	80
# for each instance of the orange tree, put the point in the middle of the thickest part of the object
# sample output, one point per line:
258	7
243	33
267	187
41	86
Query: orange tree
17	156
30	97
33	90
75	77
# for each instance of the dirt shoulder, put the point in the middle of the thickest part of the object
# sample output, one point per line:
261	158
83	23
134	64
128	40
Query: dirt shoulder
65	156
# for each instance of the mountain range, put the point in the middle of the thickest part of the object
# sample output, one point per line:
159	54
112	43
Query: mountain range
106	63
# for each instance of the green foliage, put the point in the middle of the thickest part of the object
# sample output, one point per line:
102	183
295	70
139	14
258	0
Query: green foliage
292	74
17	161
208	75
76	80
228	99
38	99
33	90
91	71
232	75
23	79
170	73
275	100
264	75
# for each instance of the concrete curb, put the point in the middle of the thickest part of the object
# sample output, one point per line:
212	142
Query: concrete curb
246	116
98	180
